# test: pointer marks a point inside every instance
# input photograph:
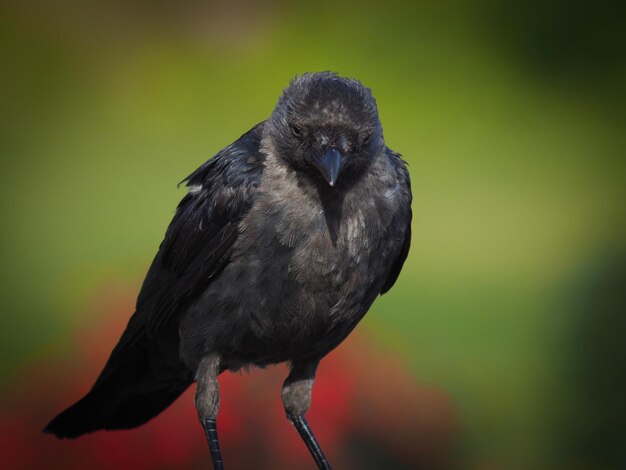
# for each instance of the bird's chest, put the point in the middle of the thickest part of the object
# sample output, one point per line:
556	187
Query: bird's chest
316	246
309	255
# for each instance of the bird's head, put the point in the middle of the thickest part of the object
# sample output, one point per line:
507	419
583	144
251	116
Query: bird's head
327	127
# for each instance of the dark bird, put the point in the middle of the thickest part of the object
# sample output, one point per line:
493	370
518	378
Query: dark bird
279	248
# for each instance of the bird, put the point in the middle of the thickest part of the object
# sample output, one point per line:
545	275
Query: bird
277	250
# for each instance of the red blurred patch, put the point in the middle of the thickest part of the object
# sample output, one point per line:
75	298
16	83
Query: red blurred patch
367	412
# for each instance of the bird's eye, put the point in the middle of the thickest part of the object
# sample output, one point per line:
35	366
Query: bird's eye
296	130
367	139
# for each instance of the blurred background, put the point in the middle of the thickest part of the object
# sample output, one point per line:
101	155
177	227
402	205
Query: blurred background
502	345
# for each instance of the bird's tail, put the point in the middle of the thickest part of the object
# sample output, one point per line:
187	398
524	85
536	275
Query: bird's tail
121	399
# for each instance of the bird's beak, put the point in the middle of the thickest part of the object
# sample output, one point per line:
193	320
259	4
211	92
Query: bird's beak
330	165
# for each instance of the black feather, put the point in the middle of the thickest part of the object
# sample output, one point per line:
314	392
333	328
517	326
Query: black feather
406	244
144	373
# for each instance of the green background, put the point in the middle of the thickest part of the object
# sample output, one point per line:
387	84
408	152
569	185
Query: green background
512	118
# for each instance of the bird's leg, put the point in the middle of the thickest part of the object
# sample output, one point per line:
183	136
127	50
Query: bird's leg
296	396
207	404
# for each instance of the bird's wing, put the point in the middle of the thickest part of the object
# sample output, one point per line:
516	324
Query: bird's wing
200	238
403	218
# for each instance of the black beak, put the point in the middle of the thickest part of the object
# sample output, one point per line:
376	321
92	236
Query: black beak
330	165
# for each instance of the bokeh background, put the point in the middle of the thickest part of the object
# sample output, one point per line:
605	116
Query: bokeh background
503	344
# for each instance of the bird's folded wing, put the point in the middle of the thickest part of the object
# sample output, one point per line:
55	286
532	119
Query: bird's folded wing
200	238
403	219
